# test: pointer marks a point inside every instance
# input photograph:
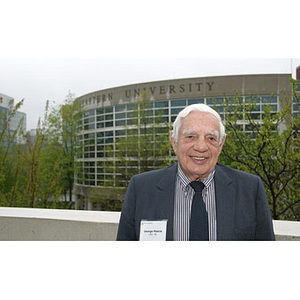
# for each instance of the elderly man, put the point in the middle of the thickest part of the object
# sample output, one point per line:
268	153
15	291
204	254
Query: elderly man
196	198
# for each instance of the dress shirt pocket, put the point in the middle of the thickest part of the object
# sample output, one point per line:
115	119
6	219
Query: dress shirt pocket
245	233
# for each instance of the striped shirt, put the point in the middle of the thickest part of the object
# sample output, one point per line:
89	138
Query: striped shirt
183	202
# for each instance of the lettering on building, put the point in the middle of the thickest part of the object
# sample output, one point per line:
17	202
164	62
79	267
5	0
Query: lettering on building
106	98
171	89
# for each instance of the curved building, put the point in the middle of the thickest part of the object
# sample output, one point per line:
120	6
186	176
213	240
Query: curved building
108	112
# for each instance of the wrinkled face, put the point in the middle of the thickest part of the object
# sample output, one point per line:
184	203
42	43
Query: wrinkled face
198	146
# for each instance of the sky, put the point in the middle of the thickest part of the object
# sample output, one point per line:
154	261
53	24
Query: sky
48	48
39	80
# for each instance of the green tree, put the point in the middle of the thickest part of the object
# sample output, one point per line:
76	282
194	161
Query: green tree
269	148
146	145
61	140
32	157
37	173
9	164
143	146
24	181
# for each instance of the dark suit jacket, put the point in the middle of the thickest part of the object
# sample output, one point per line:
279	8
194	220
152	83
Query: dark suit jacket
241	204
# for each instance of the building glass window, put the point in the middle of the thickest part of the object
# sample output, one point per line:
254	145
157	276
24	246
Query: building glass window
120	116
120	123
214	101
195	101
120	108
176	111
181	103
159	104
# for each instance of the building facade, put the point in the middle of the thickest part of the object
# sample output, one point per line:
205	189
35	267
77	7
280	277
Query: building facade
6	106
108	112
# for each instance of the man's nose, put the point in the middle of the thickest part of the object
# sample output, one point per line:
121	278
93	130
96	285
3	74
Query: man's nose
200	144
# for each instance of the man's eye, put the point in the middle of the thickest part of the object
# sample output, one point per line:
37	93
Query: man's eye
189	137
212	139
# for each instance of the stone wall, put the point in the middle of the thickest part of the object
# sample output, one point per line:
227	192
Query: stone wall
25	224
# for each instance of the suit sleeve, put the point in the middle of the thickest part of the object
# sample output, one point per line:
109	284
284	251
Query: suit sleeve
127	228
264	227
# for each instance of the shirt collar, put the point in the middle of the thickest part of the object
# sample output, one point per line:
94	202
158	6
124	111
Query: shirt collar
185	180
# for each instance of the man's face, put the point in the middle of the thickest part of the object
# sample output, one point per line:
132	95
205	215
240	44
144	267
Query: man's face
198	146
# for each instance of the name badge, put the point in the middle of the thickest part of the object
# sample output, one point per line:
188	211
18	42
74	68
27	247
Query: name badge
153	230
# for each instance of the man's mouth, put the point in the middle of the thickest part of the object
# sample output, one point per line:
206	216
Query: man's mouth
199	158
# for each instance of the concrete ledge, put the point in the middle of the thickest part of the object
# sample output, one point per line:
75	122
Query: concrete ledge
26	224
29	224
287	230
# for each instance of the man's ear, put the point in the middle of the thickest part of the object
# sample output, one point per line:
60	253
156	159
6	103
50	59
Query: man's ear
173	141
222	144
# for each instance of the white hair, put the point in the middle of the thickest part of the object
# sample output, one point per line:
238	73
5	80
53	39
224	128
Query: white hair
197	107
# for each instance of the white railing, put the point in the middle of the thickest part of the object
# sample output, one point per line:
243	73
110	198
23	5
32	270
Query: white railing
29	224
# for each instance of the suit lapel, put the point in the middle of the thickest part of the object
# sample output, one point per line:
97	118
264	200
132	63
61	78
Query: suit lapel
225	204
164	198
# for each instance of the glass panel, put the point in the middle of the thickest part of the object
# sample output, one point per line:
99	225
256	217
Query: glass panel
109	133
175	111
120	132
269	99
100	111
194	101
130	122
120	107
120	123
178	103
108	110
252	100
162	112
148	104
214	101
130	106
120	116
162	104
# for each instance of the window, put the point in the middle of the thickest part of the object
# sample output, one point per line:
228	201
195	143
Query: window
175	111
109	117
161	104
120	108
120	123
195	101
108	110
109	124
214	101
175	103
159	112
120	116
100	111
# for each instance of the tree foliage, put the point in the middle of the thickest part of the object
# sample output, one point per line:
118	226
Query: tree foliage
143	146
62	130
37	172
10	163
146	145
268	148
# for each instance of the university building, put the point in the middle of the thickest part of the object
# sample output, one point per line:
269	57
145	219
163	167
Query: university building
109	112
